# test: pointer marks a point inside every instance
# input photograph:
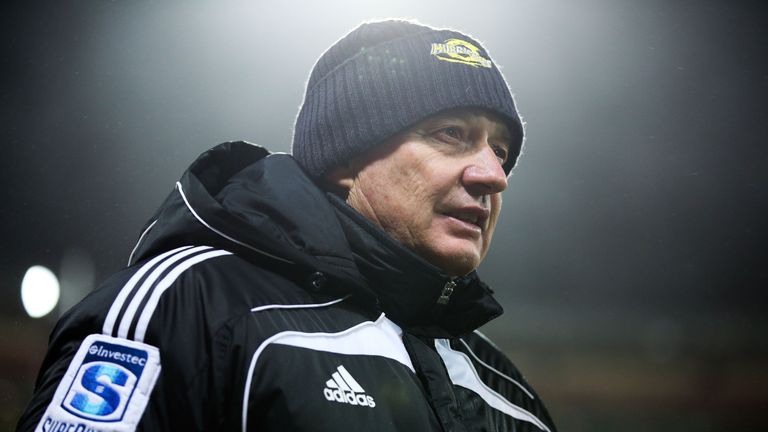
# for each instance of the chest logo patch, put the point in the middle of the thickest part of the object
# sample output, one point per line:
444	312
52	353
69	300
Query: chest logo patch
459	51
343	388
106	386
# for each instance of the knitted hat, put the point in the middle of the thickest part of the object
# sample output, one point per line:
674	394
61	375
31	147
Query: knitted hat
386	76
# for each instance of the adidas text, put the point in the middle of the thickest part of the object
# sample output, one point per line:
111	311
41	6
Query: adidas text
339	395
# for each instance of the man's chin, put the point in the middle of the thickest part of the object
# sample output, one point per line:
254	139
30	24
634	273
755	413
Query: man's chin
457	262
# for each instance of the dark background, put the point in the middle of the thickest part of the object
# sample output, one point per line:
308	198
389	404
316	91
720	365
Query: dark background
631	254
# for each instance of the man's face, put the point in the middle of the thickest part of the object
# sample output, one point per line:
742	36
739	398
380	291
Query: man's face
435	187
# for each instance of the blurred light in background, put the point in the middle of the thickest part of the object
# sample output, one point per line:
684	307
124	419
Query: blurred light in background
39	291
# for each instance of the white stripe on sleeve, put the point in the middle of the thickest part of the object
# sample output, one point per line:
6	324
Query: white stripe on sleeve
117	304
149	309
133	306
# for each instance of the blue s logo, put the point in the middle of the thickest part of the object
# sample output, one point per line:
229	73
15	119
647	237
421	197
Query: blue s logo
110	398
100	391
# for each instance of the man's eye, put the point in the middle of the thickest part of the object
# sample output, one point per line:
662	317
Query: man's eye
501	153
451	131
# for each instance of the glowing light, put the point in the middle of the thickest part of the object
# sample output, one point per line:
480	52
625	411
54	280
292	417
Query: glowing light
39	291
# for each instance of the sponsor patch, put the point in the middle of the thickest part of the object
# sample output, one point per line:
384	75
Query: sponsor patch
105	388
459	51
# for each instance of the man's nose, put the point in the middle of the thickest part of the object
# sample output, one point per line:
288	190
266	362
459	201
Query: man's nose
484	175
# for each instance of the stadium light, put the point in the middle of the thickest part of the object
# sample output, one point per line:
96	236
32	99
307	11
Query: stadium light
39	291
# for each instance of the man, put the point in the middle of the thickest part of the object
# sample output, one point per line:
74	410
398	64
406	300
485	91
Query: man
330	290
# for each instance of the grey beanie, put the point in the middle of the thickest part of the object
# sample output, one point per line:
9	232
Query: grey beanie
386	76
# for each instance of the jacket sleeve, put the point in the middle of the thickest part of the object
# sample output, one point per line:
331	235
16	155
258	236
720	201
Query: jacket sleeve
93	379
159	346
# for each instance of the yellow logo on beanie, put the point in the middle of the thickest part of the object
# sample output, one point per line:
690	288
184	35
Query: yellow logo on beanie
459	51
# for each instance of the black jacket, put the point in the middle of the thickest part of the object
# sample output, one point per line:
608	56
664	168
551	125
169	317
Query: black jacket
255	301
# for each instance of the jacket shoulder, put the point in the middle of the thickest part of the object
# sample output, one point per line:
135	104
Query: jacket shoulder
201	287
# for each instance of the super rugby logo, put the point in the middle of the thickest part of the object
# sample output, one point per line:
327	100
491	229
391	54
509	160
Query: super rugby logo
106	387
105	382
459	51
345	389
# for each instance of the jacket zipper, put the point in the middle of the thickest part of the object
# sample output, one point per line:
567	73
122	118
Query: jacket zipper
445	296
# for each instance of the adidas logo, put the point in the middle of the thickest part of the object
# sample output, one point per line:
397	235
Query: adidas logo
343	388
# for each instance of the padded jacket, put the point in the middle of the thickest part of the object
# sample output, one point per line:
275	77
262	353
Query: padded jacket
255	301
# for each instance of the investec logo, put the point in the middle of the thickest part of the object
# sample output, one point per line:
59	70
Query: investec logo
343	388
105	382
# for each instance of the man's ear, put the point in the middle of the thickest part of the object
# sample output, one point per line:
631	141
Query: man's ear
339	179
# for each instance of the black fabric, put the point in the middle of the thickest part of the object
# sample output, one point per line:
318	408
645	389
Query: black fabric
439	391
383	77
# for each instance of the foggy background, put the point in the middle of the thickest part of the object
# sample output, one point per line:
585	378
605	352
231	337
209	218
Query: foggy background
631	253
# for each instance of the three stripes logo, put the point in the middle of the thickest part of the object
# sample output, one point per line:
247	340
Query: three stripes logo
344	389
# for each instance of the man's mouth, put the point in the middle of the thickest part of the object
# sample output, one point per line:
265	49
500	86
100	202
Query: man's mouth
470	219
472	215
